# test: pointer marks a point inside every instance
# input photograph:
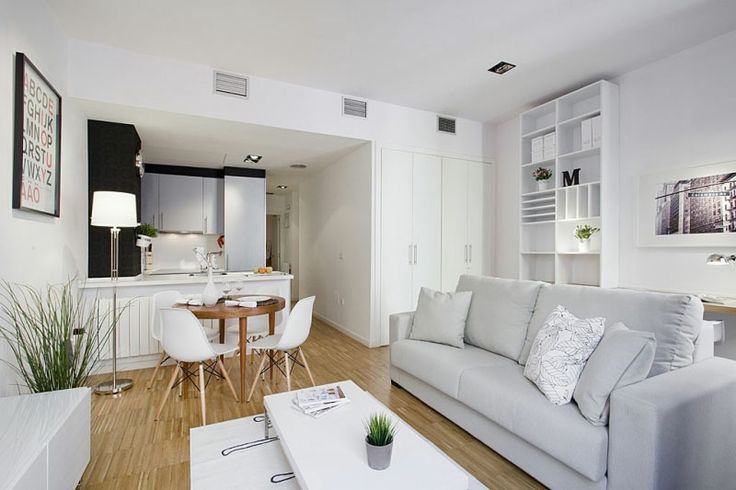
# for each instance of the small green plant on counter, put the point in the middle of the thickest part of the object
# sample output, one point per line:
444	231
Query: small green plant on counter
380	430
542	173
53	333
584	232
146	229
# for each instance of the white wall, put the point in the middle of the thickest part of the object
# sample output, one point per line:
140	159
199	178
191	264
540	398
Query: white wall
335	230
36	249
677	112
290	239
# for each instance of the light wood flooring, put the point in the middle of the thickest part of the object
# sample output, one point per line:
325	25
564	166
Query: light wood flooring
132	451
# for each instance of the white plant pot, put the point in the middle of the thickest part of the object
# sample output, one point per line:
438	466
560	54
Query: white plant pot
544	185
584	245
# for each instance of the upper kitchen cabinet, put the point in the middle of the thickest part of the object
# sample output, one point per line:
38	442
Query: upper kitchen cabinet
149	199
245	218
213	207
180	203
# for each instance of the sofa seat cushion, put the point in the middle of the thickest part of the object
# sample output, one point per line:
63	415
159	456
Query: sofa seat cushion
674	319
499	313
441	365
506	397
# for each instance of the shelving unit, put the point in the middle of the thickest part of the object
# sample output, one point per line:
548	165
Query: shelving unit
547	247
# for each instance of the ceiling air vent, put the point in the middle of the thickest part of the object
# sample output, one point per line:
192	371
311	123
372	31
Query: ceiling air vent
354	107
229	84
445	125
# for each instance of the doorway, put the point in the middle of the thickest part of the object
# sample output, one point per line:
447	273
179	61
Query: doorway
273	241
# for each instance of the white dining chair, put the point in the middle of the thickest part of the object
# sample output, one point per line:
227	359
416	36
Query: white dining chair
166	299
289	343
184	340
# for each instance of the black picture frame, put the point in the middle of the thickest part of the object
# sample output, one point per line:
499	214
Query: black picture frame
48	125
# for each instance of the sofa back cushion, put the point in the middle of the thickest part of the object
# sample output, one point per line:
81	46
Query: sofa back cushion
499	313
674	319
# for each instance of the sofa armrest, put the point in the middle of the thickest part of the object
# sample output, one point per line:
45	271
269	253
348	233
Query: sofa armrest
675	430
704	348
399	326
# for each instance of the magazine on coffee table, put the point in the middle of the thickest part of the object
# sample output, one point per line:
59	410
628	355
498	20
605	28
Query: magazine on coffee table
318	401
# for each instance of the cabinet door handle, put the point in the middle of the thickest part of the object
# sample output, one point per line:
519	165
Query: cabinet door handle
465	252
410	257
470	253
205	224
161	220
415	253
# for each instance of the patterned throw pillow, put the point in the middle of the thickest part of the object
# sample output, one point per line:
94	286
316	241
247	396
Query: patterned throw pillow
560	351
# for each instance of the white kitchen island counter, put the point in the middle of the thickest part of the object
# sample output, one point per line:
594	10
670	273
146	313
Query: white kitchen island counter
136	348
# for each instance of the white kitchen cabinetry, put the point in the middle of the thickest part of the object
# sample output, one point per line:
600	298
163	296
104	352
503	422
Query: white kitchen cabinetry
180	203
213	196
245	222
149	199
462	220
411	226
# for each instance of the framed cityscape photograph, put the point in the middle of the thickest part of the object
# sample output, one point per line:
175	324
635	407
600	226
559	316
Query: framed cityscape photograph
36	141
693	207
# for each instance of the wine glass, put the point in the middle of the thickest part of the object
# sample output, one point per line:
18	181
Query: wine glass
239	286
226	288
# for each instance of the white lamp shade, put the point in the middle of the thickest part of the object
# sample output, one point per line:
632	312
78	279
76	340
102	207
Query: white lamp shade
114	209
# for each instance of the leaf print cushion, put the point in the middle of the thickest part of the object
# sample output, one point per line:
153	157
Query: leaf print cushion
560	351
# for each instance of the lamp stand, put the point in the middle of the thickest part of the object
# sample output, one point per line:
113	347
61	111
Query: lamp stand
114	386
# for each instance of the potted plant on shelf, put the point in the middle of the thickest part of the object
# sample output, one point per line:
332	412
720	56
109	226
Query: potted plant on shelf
379	440
54	335
583	233
146	233
542	175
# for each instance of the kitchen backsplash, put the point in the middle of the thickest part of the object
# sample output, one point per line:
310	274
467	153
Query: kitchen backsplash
174	250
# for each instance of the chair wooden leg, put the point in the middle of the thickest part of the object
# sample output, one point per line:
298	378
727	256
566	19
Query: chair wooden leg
201	394
255	381
306	365
168	389
288	374
155	371
227	378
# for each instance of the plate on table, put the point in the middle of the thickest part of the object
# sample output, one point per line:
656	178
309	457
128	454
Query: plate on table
257	299
181	301
229	302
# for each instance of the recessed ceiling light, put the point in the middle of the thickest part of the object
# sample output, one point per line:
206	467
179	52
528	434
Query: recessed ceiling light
252	158
298	165
501	67
282	186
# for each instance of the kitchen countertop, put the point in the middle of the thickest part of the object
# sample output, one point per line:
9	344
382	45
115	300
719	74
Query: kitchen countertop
182	278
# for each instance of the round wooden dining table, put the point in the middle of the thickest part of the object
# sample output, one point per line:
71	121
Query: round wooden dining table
221	312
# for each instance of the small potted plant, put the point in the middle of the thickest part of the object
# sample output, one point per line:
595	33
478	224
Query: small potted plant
146	233
542	175
379	440
583	234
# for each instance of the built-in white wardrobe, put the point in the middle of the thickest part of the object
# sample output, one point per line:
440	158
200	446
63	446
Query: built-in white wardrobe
432	225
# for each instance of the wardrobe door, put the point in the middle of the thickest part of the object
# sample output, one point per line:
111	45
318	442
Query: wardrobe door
426	223
397	253
475	192
455	248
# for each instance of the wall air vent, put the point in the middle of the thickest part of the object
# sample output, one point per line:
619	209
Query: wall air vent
354	107
445	125
229	84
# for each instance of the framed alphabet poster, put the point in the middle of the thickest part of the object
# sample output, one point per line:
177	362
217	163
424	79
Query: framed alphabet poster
36	141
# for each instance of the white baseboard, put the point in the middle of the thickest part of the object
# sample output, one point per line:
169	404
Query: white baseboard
342	329
129	363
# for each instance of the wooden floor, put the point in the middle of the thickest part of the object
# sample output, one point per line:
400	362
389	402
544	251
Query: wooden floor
132	451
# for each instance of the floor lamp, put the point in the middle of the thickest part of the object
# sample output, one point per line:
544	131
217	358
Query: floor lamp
114	210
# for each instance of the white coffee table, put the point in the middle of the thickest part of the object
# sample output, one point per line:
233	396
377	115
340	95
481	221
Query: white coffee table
329	452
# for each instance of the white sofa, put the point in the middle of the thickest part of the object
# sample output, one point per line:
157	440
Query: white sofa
675	429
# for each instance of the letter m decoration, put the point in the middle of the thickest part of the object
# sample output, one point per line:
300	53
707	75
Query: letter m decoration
568	180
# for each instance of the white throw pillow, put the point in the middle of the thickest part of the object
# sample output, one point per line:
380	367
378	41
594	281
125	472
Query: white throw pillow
559	352
440	317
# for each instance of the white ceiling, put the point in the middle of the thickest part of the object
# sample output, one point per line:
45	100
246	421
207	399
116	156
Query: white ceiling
179	139
429	54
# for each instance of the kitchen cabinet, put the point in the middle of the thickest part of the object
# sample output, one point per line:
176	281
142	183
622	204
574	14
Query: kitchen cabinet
411	226
213	196
180	203
149	199
245	222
